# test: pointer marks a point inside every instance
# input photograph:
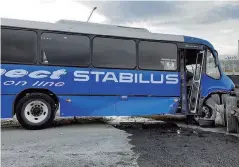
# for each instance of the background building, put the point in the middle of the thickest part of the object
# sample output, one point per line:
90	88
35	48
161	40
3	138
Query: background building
230	65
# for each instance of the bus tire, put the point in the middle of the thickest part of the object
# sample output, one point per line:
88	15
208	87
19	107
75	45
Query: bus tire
35	111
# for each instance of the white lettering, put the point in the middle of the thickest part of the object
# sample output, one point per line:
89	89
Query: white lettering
3	71
57	74
136	78
82	76
110	76
141	79
40	83
16	73
35	83
171	79
43	84
9	83
97	75
50	83
21	82
39	74
126	77
156	82
59	84
86	76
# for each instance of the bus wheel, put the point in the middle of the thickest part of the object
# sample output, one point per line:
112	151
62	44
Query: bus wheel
35	111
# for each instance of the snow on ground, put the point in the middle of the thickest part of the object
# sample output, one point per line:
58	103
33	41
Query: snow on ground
109	120
118	119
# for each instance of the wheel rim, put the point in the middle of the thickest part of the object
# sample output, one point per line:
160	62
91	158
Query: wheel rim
206	114
36	111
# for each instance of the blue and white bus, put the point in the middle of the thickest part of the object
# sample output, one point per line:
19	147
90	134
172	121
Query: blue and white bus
89	69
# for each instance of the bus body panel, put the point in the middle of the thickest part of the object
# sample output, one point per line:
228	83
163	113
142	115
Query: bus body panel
87	105
95	92
80	81
42	78
135	82
194	40
116	106
210	85
6	106
136	106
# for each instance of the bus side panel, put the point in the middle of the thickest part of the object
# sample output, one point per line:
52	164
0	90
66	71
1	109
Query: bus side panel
84	81
116	106
139	106
59	80
210	85
87	105
137	82
6	106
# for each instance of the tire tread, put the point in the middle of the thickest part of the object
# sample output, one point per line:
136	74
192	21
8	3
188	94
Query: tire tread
35	95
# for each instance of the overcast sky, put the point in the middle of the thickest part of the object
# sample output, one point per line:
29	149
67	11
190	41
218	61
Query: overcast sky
216	21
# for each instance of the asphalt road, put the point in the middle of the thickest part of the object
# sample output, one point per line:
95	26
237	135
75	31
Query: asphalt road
183	147
104	145
74	146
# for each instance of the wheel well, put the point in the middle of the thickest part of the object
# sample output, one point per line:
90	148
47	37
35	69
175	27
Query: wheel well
203	100
219	93
27	91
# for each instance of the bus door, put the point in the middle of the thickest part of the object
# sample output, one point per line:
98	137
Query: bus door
191	68
195	85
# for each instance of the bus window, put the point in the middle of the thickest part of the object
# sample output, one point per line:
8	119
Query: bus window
18	46
157	56
114	53
62	49
211	68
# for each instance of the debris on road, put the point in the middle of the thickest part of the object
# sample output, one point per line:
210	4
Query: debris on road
192	147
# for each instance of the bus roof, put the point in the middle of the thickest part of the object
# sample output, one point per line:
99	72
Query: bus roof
101	29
